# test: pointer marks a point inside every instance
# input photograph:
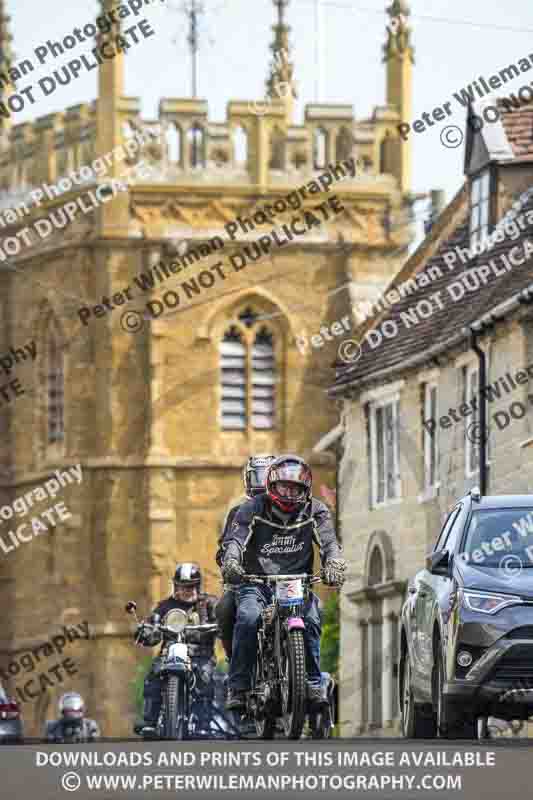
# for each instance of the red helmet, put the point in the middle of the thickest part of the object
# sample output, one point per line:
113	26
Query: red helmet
289	482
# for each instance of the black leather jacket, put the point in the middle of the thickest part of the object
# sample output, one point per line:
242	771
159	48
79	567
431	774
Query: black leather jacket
223	538
204	608
266	543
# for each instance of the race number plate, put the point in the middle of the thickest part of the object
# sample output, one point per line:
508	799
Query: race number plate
178	651
291	592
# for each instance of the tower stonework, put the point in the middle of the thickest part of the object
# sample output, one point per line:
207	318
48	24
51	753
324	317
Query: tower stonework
223	359
399	58
280	83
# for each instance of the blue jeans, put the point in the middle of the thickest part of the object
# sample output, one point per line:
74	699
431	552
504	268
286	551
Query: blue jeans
252	599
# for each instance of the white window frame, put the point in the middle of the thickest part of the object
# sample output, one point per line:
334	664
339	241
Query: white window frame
480	231
429	439
470	368
383	402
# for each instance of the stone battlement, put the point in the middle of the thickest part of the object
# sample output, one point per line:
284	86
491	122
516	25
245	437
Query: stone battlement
253	145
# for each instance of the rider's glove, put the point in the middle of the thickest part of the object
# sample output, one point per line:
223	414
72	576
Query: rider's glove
232	571
147	635
141	631
332	573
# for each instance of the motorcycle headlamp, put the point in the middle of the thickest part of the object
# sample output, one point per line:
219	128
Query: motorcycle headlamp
175	620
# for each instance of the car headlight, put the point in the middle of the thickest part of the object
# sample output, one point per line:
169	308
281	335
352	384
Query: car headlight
487	603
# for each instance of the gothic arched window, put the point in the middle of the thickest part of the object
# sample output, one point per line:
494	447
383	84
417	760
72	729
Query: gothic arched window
263	381
248	375
233	379
55	387
375	567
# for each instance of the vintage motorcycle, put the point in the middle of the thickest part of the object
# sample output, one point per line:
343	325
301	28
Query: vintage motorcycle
189	709
278	697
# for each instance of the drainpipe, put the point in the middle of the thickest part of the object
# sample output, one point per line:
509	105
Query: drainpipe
482	405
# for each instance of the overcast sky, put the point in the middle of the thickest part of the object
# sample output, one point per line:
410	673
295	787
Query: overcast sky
455	43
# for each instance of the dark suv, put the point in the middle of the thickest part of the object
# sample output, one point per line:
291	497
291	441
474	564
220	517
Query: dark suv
466	647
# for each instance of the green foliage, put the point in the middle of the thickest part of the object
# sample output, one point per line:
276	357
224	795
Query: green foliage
137	684
329	649
222	666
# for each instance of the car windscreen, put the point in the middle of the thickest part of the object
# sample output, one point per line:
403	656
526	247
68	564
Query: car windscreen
496	533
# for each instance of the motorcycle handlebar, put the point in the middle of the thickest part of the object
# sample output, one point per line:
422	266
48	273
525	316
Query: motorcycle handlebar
273	578
204	627
164	629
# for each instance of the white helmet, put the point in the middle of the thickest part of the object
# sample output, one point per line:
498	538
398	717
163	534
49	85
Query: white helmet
71	705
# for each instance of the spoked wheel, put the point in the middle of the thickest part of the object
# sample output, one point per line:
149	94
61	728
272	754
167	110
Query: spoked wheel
175	709
265	725
294	684
414	724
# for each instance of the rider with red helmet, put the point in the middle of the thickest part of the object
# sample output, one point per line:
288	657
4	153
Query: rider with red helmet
274	534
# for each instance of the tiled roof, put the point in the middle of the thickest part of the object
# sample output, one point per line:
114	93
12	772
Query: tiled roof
443	323
518	126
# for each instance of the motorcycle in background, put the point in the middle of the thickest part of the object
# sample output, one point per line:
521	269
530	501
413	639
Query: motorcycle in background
188	709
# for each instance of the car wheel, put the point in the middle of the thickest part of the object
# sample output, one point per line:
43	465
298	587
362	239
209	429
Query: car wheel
414	724
450	725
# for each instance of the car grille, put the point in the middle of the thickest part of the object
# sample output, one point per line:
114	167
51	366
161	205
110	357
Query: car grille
515	664
525	632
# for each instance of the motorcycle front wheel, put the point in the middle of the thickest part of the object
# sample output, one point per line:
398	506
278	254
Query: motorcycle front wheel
265	726
294	686
176	708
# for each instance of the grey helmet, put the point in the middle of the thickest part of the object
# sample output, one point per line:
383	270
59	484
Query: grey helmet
254	474
71	705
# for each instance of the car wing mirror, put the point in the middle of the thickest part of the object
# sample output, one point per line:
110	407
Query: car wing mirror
439	563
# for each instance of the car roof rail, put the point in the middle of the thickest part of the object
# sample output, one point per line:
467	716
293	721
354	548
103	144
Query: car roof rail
475	494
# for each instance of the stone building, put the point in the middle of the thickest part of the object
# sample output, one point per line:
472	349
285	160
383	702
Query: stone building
410	428
160	384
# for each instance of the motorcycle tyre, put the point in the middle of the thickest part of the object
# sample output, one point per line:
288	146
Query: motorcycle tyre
175	709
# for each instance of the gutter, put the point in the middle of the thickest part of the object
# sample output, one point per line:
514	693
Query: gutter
482	405
521	297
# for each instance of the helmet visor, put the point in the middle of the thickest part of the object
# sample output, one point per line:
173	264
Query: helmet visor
258	477
291	472
291	491
72	706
